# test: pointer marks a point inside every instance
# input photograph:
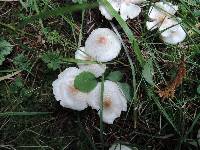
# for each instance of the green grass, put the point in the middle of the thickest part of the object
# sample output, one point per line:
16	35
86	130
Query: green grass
45	34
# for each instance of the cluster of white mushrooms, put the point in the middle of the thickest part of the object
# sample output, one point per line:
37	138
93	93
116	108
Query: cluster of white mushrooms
101	46
161	15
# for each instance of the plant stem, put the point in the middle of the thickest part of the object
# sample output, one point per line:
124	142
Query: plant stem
101	112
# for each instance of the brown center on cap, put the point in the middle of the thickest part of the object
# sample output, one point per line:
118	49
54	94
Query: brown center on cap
102	40
72	90
161	18
174	33
107	102
88	58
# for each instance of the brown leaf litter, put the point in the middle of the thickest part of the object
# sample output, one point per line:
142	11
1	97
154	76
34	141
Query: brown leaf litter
169	90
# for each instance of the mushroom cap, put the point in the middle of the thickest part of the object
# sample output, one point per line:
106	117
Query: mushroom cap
151	25
113	102
119	147
158	13
103	45
65	92
115	4
96	69
137	1
171	31
129	10
165	7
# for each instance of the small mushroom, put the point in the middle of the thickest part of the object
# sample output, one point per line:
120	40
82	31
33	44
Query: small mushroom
119	147
128	8
115	4
96	69
113	101
65	92
171	31
103	45
158	13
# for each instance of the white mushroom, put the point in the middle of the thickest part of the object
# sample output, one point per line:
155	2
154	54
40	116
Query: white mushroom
96	69
128	8
158	13
103	45
119	147
161	16
171	31
65	92
113	101
115	4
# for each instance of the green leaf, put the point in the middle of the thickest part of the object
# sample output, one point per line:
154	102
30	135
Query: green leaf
196	13
5	49
52	37
148	71
115	76
19	82
53	60
85	82
126	89
22	62
198	89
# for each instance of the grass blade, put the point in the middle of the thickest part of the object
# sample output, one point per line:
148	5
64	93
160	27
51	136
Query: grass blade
165	114
9	75
86	134
193	124
101	112
134	84
23	113
59	11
